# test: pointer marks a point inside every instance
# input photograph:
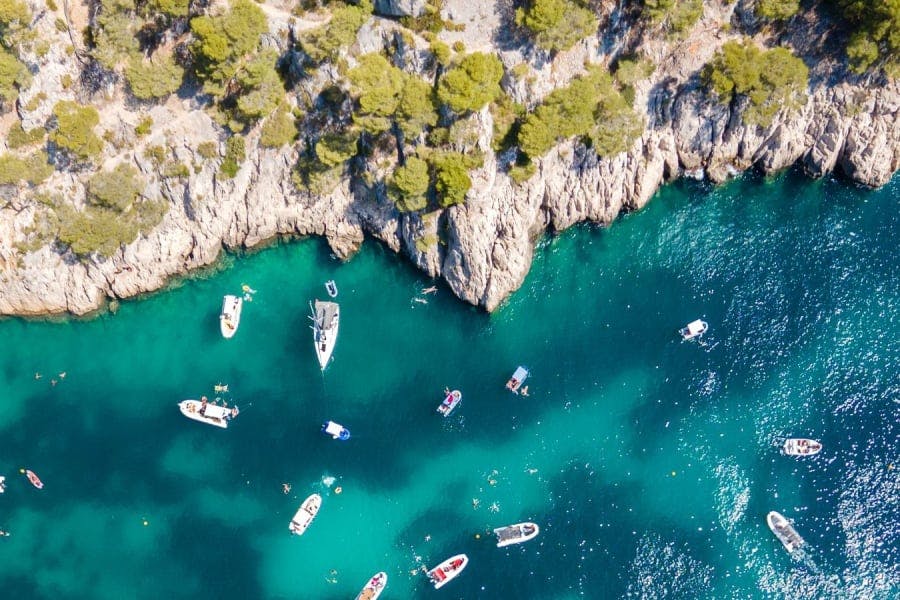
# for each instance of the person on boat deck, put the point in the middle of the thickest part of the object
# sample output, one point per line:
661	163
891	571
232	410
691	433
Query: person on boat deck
203	405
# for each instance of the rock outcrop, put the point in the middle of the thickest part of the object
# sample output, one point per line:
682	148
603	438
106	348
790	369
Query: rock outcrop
482	249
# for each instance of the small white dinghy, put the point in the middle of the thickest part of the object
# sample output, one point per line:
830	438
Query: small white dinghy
331	288
451	401
205	412
516	534
517	379
2	484
693	329
231	316
784	531
305	514
374	588
336	431
801	447
447	570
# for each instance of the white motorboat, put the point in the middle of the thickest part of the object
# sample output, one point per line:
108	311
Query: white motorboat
336	431
784	531
517	379
331	288
516	534
693	329
231	316
305	514
801	447
451	401
325	318
208	412
447	570
2	484
374	588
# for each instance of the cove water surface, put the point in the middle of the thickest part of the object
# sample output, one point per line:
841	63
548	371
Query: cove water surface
649	463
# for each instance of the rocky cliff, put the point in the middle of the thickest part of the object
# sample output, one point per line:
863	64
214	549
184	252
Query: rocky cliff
481	249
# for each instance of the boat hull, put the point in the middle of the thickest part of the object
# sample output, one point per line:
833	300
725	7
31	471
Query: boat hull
451	401
784	531
801	447
326	323
230	317
448	570
374	587
305	514
34	479
516	534
213	414
694	329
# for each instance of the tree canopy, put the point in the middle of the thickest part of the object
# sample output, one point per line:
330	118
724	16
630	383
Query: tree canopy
556	24
772	79
409	185
74	131
472	84
875	42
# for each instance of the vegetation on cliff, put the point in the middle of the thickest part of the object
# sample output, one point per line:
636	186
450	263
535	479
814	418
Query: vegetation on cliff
556	24
14	75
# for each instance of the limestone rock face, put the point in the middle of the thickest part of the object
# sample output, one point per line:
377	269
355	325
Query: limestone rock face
482	249
400	8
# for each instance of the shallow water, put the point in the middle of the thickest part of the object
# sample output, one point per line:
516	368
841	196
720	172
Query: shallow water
650	463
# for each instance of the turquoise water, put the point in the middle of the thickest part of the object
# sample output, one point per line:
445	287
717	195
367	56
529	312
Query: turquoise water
650	463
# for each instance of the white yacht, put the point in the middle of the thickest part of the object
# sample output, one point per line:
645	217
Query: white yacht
451	401
801	447
516	534
305	514
784	531
231	316
208	412
447	570
374	588
693	329
326	318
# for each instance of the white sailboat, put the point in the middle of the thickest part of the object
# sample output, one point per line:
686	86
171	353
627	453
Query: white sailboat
231	316
305	514
326	318
209	413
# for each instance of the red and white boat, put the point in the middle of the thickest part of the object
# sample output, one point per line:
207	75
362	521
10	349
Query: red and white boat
450	402
801	447
447	570
34	479
374	588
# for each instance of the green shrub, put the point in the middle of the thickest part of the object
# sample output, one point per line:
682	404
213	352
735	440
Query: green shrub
630	71
155	154
441	51
155	78
14	17
103	230
117	189
208	150
261	87
429	21
416	111
113	33
279	129
171	8
472	84
325	42
506	115
14	75
452	180
875	41
556	24
772	79
409	185
777	10
522	173
676	15
221	42
74	130
34	168
334	149
51	5
144	126
235	154
18	137
377	86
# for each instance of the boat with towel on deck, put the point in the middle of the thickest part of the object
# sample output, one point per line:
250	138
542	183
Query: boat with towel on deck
693	329
336	430
34	479
516	534
784	531
517	379
801	447
208	412
447	570
305	514
374	588
326	319
451	401
230	317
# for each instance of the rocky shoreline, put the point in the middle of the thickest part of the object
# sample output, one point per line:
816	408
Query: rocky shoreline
483	248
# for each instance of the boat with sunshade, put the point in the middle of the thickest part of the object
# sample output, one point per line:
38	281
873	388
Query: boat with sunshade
208	412
447	570
451	401
230	317
801	447
693	329
374	588
784	531
518	378
336	431
305	514
326	319
516	534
